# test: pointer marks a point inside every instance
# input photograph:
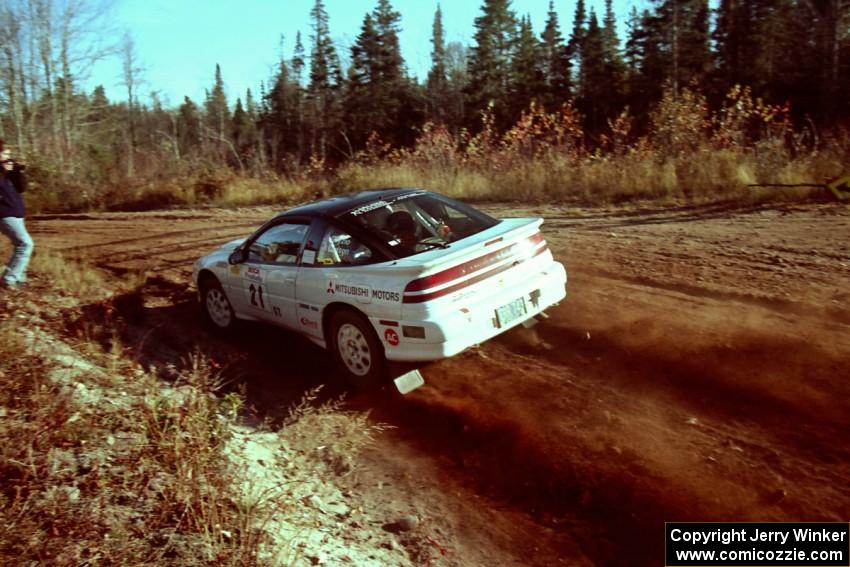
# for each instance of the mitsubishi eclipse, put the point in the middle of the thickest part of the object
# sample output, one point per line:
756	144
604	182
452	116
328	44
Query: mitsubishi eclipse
395	274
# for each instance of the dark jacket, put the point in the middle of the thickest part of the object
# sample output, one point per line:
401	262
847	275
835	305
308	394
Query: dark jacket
11	186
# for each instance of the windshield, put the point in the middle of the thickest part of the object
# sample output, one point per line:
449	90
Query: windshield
415	222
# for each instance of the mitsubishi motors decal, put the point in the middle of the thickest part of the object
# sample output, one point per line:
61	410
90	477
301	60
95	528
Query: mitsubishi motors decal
362	293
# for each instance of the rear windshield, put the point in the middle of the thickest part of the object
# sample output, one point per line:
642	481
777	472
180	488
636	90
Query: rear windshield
416	222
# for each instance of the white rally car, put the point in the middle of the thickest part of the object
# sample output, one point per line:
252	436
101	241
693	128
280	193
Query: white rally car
396	274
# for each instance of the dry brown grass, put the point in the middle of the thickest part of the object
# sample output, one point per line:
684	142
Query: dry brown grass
106	467
705	175
103	463
77	279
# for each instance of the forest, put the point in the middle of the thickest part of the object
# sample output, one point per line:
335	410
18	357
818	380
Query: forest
684	99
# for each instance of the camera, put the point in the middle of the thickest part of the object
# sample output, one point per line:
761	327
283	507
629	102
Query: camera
15	165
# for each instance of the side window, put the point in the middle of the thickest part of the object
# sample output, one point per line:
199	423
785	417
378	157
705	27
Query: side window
280	244
339	248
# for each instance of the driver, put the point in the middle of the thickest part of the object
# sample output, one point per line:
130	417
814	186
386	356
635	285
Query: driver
402	226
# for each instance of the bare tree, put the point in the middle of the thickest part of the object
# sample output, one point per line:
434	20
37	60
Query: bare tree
10	59
131	72
47	49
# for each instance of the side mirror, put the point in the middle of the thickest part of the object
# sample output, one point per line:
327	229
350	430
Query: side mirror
236	257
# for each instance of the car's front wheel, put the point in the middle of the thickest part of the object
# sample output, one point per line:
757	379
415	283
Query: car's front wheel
215	305
357	350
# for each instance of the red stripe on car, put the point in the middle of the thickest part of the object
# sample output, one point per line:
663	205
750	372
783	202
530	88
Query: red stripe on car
470	267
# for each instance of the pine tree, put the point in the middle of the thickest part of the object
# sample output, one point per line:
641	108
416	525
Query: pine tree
787	40
614	70
528	82
490	62
609	35
577	37
217	115
252	139
832	36
437	83
593	89
457	77
188	127
695	58
389	62
241	128
638	92
379	96
654	61
735	43
298	61
556	62
298	81
363	113
684	40
325	82
760	44
282	118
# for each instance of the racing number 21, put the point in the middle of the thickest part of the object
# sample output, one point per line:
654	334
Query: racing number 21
258	301
257	294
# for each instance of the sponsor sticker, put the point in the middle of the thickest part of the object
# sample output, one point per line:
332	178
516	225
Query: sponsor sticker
309	323
362	293
370	207
382	203
463	295
254	273
384	295
391	337
234	270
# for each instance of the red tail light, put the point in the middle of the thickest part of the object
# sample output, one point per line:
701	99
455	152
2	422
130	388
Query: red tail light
476	269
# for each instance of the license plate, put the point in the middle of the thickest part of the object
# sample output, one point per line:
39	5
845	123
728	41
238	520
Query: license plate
511	312
406	383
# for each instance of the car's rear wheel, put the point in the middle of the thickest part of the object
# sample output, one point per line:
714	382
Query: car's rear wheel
216	307
357	351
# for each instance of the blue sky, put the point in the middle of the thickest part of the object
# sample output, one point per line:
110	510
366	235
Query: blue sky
179	42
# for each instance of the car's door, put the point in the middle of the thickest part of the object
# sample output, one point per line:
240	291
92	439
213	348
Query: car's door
337	267
268	275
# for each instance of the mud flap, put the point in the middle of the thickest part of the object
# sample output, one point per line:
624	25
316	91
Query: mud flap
409	381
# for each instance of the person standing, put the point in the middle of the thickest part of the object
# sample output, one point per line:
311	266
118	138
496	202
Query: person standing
12	184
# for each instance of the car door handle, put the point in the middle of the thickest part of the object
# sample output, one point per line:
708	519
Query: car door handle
289	281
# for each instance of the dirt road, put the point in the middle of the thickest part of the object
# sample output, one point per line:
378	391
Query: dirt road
698	370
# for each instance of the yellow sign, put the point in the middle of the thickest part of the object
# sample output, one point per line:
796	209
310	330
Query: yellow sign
234	270
840	187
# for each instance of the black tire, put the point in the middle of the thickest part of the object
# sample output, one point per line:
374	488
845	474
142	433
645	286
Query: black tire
358	353
218	313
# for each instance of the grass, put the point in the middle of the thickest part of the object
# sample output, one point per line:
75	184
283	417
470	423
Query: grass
112	467
73	277
103	463
703	176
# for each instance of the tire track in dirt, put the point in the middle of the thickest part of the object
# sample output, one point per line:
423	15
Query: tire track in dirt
664	396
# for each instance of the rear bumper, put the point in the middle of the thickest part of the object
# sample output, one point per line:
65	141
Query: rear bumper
466	323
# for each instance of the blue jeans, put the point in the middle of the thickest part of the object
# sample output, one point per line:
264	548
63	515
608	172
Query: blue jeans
16	270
